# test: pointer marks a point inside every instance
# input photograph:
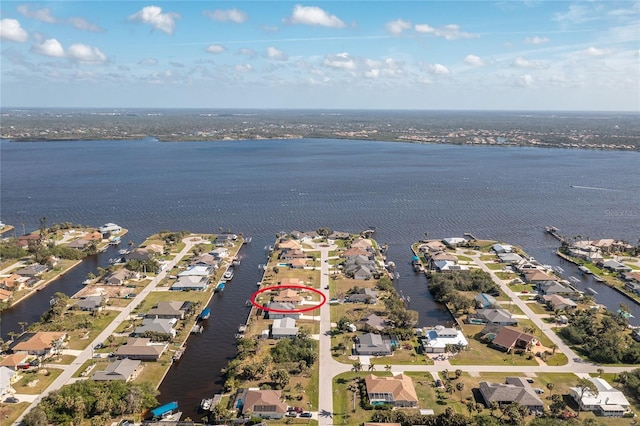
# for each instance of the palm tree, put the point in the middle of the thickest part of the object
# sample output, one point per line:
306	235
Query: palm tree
460	387
471	407
550	387
23	324
356	366
600	372
554	348
387	367
458	373
372	367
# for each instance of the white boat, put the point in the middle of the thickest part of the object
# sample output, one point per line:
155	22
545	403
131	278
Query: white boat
574	279
228	274
591	291
87	281
205	404
123	251
584	270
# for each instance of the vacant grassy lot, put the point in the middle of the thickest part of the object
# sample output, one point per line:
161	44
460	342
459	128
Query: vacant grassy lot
35	382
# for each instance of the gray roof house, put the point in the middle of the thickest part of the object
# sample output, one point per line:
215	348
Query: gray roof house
120	276
373	344
32	270
283	306
170	309
484	300
364	295
139	254
190	282
90	303
156	325
510	257
124	369
375	321
284	327
142	349
493	316
515	389
554	287
615	266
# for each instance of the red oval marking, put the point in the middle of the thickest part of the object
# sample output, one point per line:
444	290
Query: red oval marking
285	311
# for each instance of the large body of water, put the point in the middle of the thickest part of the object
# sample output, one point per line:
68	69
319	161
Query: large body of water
261	188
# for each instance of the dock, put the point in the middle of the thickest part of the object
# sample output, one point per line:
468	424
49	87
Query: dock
197	329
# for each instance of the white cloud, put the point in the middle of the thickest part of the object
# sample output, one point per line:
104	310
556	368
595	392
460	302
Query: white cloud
42	15
594	51
340	61
312	15
438	69
525	80
10	29
215	48
521	62
276	54
243	68
448	32
475	61
82	24
269	28
233	15
397	27
153	16
50	47
86	54
577	14
249	53
536	40
148	61
373	73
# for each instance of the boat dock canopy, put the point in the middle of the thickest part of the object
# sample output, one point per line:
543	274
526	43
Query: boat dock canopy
164	409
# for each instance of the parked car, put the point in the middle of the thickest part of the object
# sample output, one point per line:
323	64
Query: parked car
291	414
12	400
98	346
529	380
296	409
306	414
538	391
438	383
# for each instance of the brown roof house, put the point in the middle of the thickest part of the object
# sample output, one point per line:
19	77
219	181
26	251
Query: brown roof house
267	404
169	309
515	389
41	343
120	277
397	390
508	339
5	295
141	348
288	295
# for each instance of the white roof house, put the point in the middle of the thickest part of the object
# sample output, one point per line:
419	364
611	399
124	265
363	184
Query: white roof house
196	270
109	227
437	339
609	401
284	327
454	241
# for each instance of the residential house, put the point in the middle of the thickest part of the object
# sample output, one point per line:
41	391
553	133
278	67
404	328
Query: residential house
632	287
454	241
41	343
91	303
337	235
7	378
484	300
364	295
448	265
397	390
298	263
267	403
502	248
125	369
156	325
555	287
633	277
374	322
284	327
169	309
510	258
361	268
509	339
432	247
191	282
206	260
373	344
555	301
492	316
197	271
80	244
220	253
141	348
224	240
120	277
279	310
615	266
14	361
109	228
515	389
355	251
289	245
608	401
33	270
537	276
439	338
139	254
292	254
291	281
5	295
155	248
24	240
13	282
288	295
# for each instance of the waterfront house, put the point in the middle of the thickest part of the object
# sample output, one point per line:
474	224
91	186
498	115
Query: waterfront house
448	265
13	282
32	271
206	260
220	253
608	401
155	248
439	338
363	243
509	339
91	303
537	276
397	390
434	246
373	344
291	281
169	309
139	254
267	404
191	282
224	240
120	277
16	361
7	378
484	300
492	316
298	263
555	301
337	235
515	389
109	228
284	327
355	251
288	295
615	266
454	241
632	287
555	287
141	348
510	258
80	244
156	325
42	343
364	295
289	245
24	240
374	322
292	254
197	271
286	306
502	248
5	295
633	277
123	369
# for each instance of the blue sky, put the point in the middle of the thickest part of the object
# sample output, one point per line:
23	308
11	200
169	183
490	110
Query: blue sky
485	55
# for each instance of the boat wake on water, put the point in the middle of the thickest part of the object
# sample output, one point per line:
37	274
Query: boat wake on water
595	188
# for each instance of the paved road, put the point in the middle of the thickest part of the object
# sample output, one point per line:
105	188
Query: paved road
87	353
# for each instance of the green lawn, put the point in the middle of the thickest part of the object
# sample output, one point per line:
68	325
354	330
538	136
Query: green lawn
495	266
539	308
346	404
34	383
478	353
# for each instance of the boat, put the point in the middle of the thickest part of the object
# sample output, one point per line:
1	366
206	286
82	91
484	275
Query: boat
591	291
220	287
597	278
236	261
177	354
584	270
574	279
205	404
197	329
242	328
115	241
123	251
228	275
205	314
165	411
259	283
86	282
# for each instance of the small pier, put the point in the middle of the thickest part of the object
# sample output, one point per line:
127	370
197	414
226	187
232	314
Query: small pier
553	231
470	236
197	329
